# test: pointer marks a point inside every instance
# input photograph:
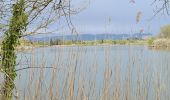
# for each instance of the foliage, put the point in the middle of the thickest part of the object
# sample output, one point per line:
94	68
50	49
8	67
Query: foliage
161	43
111	42
150	41
55	42
165	31
11	40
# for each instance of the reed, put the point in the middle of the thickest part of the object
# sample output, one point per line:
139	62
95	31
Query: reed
92	73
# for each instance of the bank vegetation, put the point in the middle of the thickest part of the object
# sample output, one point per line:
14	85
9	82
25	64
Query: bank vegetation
162	40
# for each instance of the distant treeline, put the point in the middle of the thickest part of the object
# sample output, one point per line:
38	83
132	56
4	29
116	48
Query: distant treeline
56	42
63	42
78	42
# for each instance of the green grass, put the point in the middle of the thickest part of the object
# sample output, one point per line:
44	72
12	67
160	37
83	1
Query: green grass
99	42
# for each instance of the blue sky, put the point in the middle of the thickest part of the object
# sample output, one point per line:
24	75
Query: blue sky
111	16
122	14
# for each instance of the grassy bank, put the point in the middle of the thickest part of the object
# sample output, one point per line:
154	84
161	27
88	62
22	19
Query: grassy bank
155	43
162	40
27	45
98	42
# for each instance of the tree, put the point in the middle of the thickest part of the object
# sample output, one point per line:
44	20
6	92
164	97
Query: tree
164	6
17	18
16	27
41	13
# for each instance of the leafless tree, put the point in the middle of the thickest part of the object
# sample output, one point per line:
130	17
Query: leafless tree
164	6
41	14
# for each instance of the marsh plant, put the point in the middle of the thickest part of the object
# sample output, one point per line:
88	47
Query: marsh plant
92	73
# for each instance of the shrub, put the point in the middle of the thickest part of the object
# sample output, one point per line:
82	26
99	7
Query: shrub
165	31
162	43
150	41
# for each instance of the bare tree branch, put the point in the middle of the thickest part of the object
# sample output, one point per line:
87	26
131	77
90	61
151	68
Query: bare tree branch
41	14
164	6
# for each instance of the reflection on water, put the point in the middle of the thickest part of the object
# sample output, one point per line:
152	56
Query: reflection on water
93	73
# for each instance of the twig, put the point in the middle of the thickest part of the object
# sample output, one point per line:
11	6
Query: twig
34	67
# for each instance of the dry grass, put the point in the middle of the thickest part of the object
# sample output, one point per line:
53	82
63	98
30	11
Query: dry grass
93	73
161	43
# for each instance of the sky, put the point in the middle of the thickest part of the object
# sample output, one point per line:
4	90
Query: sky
114	17
118	16
111	17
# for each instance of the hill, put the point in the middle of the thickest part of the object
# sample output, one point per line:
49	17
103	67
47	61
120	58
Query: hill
90	37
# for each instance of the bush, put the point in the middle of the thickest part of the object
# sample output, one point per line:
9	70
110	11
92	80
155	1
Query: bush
165	31
162	43
55	42
150	41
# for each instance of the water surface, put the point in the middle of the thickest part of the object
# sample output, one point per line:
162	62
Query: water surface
94	72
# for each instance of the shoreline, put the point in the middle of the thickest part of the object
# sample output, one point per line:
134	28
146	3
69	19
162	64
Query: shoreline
29	46
160	43
153	44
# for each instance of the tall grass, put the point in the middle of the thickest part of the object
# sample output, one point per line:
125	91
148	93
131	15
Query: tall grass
93	73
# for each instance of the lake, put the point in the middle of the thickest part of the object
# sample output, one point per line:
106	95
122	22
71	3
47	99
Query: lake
105	72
